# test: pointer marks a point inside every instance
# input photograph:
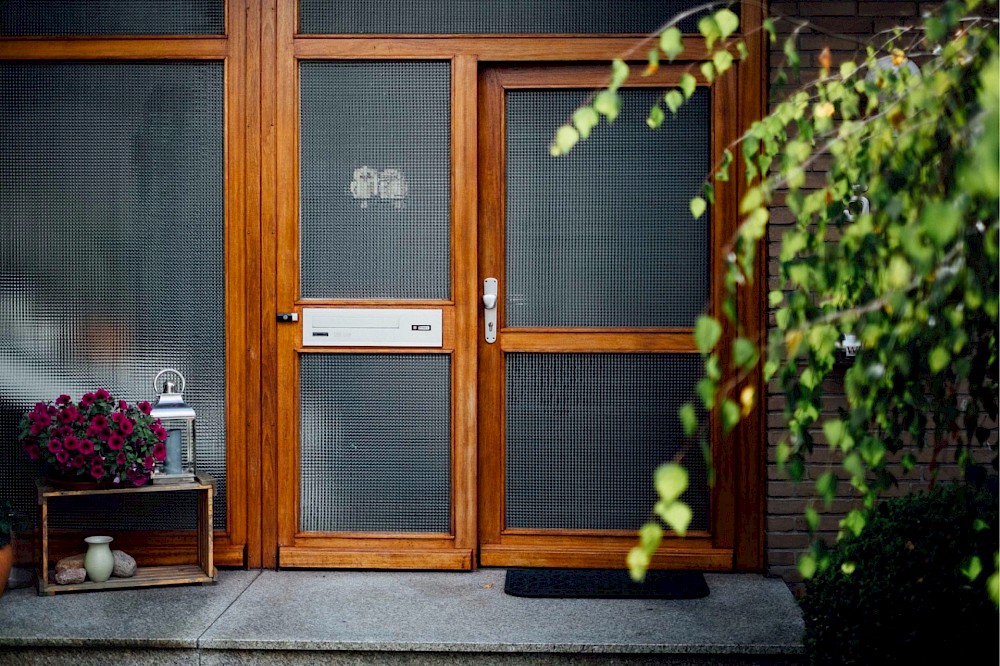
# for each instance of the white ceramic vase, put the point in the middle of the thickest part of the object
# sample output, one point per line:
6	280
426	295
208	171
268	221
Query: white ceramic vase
99	561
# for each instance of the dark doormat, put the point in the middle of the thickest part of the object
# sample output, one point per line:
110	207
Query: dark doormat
604	584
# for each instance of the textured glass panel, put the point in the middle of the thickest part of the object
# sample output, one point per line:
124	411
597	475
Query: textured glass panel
604	235
375	443
111	17
111	265
586	431
493	16
375	171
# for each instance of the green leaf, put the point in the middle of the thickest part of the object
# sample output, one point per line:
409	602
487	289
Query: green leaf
899	272
671	43
834	430
656	116
688	84
972	568
854	521
744	352
585	119
609	104
979	525
638	563
741	48
938	359
770	367
706	391
812	519
689	420
753	199
848	568
727	22
670	481
709	29
826	486
993	582
707	332
807	566
941	222
775	297
566	138
730	415
677	515
707	70
791	54
619	72
697	207
650	536
722	60
770	29
673	99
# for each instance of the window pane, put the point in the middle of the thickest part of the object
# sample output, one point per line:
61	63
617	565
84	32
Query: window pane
26	18
604	236
376	443
493	16
375	169
586	431
111	267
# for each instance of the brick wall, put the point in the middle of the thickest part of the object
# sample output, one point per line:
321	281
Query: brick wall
845	27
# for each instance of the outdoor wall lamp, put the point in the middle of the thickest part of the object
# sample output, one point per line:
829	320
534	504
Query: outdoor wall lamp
177	419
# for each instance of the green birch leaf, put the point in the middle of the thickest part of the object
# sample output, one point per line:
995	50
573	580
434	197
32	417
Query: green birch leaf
812	519
677	515
619	72
848	568
585	119
807	566
670	481
754	198
972	568
705	389
938	359
673	99
791	54
689	420
709	29
566	138
609	104
707	331
854	521
697	207
826	486
656	116
650	536
834	431
638	563
741	48
727	21
744	353
671	43
941	222
722	60
730	415
708	71
688	84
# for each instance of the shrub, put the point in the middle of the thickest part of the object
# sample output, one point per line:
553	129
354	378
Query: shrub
901	592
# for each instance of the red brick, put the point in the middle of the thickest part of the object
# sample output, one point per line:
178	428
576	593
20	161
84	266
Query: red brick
887	8
833	8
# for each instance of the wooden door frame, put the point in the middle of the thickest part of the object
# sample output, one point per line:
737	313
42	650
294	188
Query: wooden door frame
240	249
270	127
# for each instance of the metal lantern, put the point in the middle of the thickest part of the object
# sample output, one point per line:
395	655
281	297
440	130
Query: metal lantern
177	419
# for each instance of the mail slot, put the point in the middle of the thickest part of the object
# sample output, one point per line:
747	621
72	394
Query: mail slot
371	327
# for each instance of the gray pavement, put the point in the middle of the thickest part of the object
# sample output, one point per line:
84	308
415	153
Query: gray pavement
353	616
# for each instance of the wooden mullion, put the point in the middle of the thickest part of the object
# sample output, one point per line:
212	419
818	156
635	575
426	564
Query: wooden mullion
132	48
582	340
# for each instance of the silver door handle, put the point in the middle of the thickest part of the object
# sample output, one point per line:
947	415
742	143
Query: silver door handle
490	308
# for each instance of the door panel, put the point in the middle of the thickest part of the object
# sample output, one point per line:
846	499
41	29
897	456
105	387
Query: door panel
601	273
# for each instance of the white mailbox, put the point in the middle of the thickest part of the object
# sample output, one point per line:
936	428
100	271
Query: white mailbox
371	327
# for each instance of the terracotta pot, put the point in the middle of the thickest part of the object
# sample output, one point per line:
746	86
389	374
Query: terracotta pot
6	562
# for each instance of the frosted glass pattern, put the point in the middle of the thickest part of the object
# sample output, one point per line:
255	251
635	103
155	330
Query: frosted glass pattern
604	236
111	265
375	171
111	17
493	16
375	443
586	431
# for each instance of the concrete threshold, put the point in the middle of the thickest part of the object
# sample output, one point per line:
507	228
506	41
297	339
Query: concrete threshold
390	617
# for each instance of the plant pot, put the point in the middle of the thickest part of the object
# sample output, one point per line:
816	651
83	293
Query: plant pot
6	562
99	560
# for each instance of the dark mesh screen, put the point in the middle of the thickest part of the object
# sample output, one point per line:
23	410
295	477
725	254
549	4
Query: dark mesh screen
586	431
111	264
604	236
493	16
111	17
375	443
375	171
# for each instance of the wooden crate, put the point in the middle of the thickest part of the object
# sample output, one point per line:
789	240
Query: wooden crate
203	572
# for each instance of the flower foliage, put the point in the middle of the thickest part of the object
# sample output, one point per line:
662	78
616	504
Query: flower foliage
899	247
98	439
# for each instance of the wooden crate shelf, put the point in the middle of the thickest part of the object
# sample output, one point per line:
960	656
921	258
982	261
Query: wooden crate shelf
203	572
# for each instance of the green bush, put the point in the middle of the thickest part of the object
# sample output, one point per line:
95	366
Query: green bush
906	598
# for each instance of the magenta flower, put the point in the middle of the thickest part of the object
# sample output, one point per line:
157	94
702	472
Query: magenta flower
121	458
159	432
160	451
87	400
97	471
145	407
148	462
126	426
78	461
63	399
31	448
116	442
99	420
86	447
55	445
140	480
71	443
122	405
102	394
62	457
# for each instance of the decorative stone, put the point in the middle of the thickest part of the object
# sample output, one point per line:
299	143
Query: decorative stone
69	576
124	564
71	562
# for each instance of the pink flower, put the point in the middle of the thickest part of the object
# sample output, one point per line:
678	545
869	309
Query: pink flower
126	426
37	429
71	443
102	394
78	461
122	405
62	457
86	447
116	442
55	445
160	451
145	407
44	420
31	448
87	401
99	420
159	431
121	458
140	480
63	431
148	462
97	471
105	433
68	414
63	399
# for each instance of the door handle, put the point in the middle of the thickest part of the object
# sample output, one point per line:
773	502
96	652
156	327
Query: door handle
490	308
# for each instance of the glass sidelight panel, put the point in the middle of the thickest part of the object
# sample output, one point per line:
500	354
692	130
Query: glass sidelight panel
603	236
22	18
586	431
565	17
375	180
375	443
111	265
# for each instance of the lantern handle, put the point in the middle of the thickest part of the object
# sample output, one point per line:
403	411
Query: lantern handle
156	386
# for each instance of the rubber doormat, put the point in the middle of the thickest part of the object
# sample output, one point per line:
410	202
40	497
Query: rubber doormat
604	584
